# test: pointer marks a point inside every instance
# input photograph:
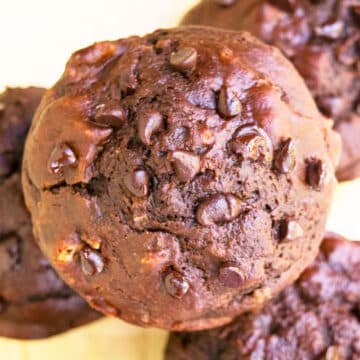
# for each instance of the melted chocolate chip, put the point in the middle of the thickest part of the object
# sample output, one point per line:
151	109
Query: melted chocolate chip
147	124
252	143
111	114
284	161
61	157
289	230
91	262
229	104
137	182
184	59
231	275
176	284
332	29
315	173
218	209
186	165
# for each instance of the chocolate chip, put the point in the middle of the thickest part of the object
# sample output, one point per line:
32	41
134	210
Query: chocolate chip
111	114
315	173
186	165
218	209
137	182
284	161
184	59
61	157
224	3
176	284
252	143
127	83
91	262
331	29
147	124
229	104
231	275
289	230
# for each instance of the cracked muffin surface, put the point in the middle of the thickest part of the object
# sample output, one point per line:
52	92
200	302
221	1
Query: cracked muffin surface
316	318
34	301
182	178
322	39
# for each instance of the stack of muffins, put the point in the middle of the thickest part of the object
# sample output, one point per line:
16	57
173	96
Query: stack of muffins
183	180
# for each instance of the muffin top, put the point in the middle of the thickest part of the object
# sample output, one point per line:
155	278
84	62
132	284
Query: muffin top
181	178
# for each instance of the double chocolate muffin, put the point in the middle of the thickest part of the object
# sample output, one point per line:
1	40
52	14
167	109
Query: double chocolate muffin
316	318
322	39
181	178
34	301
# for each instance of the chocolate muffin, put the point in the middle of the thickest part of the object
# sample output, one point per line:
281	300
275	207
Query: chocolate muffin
316	318
179	179
322	39
34	302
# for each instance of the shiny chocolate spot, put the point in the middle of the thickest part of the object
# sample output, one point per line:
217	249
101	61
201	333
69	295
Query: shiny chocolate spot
184	59
61	157
176	284
91	262
284	161
186	165
147	124
331	29
229	104
252	143
137	182
225	3
218	209
231	275
315	173
110	114
290	230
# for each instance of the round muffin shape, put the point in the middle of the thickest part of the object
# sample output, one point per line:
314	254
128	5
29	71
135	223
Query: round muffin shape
316	318
181	178
322	39
34	301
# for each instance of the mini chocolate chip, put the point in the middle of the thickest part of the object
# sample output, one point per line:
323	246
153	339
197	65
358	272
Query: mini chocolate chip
111	114
186	165
218	209
315	173
285	161
252	143
91	262
229	104
147	124
137	182
61	157
289	230
176	284
184	59
231	275
224	3
331	29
